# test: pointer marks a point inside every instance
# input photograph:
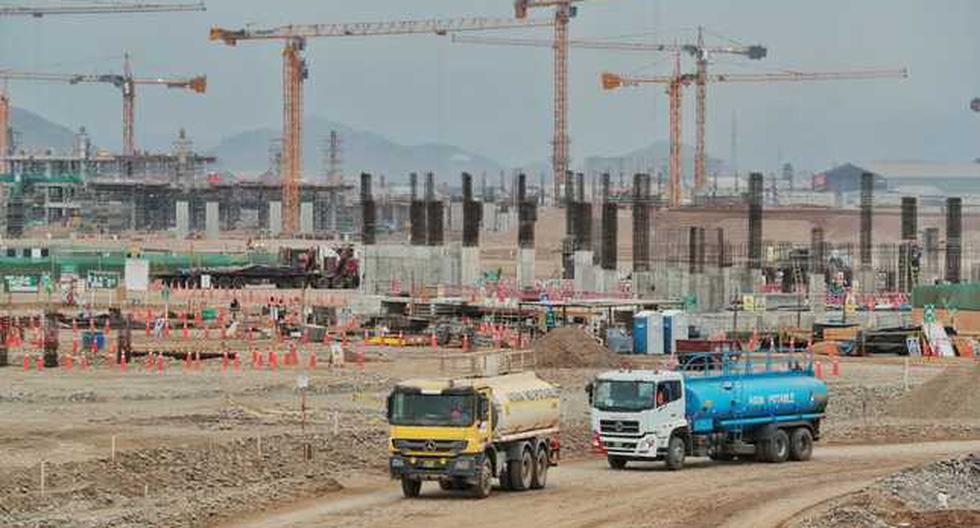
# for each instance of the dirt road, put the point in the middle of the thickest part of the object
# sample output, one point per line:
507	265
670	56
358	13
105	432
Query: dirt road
586	493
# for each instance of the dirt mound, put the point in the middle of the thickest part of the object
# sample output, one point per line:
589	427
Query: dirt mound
951	394
571	347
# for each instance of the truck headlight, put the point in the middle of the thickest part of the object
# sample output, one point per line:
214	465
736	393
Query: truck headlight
464	463
648	443
397	462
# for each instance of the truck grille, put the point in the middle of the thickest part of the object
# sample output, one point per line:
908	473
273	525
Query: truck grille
626	427
430	446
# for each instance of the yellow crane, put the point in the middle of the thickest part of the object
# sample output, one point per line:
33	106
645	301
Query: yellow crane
698	50
295	72
677	81
125	82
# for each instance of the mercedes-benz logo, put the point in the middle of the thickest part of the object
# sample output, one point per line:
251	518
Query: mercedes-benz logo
430	445
619	427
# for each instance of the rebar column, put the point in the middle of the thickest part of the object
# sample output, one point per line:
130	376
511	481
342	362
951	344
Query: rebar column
641	222
368	212
472	214
954	233
526	215
817	250
755	220
867	195
433	215
416	213
610	228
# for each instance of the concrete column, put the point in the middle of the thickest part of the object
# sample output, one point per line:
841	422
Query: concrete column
183	219
525	267
470	266
584	271
642	284
275	218
306	218
212	227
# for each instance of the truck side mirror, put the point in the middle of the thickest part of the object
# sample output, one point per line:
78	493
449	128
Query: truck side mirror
588	390
388	407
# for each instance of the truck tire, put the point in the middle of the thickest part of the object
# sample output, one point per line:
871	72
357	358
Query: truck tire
484	481
541	464
778	447
800	444
616	462
675	453
411	487
521	471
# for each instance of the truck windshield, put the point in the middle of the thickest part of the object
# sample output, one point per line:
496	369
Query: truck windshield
624	396
451	410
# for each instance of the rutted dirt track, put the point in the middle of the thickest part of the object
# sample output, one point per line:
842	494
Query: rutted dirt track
586	493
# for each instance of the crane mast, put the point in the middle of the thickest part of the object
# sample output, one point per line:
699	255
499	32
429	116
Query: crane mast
295	72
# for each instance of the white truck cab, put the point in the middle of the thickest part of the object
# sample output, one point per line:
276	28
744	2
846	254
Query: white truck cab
635	413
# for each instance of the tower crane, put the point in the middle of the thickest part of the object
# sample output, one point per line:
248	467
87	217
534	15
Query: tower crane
677	81
698	50
97	8
4	130
294	72
565	10
125	82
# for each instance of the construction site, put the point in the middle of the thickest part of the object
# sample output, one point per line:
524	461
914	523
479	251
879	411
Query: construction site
238	335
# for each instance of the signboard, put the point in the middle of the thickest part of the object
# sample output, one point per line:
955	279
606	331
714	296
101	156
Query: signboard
21	283
137	274
102	280
205	281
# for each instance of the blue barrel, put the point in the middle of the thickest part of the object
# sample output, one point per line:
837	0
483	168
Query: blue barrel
97	336
736	401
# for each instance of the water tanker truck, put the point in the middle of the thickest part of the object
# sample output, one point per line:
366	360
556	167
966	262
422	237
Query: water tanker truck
730	409
464	433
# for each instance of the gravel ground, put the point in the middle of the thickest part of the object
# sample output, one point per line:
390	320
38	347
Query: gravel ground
945	493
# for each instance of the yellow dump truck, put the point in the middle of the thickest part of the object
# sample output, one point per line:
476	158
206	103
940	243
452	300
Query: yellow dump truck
464	433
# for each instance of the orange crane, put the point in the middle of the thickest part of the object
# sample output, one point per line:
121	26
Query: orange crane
677	81
699	50
565	10
97	8
126	83
4	130
295	72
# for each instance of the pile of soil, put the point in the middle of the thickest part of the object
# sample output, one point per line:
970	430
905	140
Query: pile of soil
951	394
571	347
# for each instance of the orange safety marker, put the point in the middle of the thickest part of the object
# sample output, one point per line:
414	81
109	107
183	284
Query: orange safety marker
273	360
27	362
187	360
197	360
83	363
69	362
39	363
122	364
160	363
834	365
312	360
237	363
818	369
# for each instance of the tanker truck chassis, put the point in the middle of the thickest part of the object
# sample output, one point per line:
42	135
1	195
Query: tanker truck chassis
466	433
771	415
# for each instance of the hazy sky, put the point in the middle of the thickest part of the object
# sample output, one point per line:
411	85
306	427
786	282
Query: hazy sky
497	100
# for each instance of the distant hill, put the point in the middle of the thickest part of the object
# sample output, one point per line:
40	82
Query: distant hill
33	132
652	159
361	151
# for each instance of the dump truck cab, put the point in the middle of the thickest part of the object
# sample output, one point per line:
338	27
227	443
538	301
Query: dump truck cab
465	433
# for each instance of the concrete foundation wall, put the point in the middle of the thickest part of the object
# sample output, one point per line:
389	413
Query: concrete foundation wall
584	271
275	218
212	221
525	267
470	266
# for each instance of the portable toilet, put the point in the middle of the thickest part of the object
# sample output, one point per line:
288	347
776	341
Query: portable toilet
641	332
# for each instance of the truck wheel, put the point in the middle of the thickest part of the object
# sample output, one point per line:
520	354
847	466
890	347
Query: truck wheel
675	453
778	447
484	481
521	471
411	487
616	462
800	444
541	464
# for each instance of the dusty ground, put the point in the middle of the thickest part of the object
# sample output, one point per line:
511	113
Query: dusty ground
204	447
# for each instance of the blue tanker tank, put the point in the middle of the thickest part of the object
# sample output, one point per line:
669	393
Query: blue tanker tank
736	401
